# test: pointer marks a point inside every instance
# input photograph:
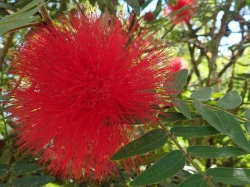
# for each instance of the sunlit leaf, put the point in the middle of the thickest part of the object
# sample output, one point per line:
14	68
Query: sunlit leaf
230	101
146	3
20	18
134	5
203	94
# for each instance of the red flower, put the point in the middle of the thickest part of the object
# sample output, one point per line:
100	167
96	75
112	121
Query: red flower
83	82
178	63
184	9
149	16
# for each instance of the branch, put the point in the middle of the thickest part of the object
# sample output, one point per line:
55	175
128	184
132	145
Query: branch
216	39
45	14
198	169
195	63
5	49
230	63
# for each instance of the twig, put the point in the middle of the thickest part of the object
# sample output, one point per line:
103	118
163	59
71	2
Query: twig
215	42
194	62
45	14
5	50
198	169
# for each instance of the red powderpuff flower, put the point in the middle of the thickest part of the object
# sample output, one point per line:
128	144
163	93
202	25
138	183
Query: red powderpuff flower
178	63
149	16
83	81
184	9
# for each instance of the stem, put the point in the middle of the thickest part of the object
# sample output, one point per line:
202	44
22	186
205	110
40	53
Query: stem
5	50
45	14
6	129
2	58
198	169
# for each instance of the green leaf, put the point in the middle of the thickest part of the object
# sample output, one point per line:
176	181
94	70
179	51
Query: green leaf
215	152
134	5
234	130
195	131
151	158
6	156
20	18
63	7
23	168
34	181
202	94
165	167
5	27
182	107
233	176
7	6
230	101
175	116
4	169
247	126
158	8
209	116
196	180
29	6
248	3
146	3
247	114
150	141
176	81
245	75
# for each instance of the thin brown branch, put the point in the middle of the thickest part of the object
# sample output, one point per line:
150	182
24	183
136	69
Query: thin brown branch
194	62
5	49
232	61
45	14
215	42
197	168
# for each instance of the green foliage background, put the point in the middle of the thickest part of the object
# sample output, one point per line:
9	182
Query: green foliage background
204	140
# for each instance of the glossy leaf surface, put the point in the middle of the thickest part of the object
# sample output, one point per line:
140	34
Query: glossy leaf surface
150	141
165	167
